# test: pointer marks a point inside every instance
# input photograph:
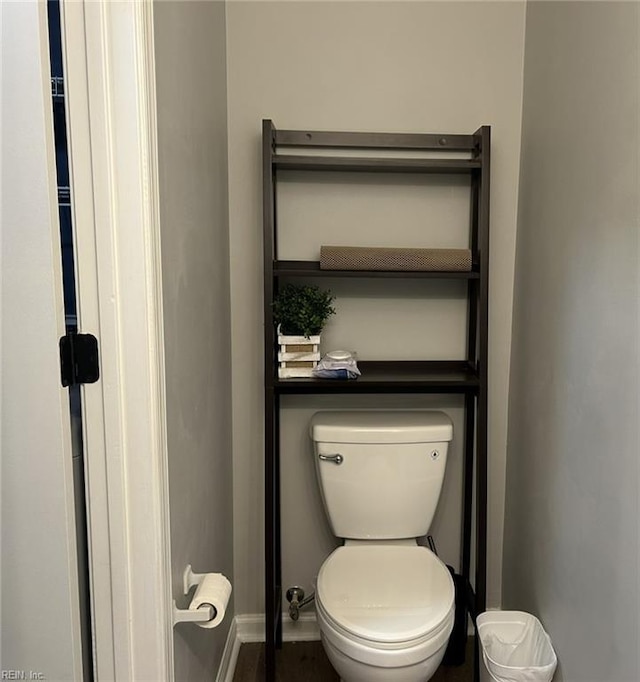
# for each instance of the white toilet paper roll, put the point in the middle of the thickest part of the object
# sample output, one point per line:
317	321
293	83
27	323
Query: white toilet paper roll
215	590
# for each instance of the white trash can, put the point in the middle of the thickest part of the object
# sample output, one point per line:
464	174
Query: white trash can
515	648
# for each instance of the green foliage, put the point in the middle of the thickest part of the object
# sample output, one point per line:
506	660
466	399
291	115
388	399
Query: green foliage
302	310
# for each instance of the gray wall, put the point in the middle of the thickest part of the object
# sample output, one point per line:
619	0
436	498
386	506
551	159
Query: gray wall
392	66
571	529
192	127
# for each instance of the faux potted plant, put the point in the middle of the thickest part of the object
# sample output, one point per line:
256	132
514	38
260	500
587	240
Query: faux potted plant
300	311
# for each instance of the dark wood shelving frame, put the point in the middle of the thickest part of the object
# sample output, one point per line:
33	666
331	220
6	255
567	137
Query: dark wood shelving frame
465	377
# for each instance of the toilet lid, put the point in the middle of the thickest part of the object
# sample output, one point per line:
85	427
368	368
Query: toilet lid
386	593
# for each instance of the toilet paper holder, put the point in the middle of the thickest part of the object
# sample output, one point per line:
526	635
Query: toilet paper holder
204	613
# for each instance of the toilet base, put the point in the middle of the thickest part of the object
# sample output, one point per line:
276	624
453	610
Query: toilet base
351	670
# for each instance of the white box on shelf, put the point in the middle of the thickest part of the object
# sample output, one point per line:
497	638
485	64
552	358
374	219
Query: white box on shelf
297	356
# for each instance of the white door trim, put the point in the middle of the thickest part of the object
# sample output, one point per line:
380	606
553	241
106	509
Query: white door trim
110	84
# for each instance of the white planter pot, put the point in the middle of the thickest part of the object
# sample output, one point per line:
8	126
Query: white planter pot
297	356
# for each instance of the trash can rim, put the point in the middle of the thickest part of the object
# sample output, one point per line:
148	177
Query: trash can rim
486	615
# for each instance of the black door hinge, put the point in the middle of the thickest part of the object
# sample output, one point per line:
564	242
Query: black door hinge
79	359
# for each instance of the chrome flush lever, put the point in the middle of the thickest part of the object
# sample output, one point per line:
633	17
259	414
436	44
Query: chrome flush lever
336	459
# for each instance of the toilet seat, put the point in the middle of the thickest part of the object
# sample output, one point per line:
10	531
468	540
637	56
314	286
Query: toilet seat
386	596
371	653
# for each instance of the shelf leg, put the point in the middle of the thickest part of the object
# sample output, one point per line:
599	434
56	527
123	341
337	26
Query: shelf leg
270	517
469	450
277	525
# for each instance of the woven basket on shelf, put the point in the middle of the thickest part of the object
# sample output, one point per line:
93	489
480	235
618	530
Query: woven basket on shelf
382	258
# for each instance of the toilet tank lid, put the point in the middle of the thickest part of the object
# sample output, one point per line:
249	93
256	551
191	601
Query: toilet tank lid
380	426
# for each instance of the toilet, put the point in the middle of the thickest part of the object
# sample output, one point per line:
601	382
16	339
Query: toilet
385	605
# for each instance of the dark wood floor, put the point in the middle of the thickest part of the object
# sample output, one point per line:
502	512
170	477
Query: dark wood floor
307	662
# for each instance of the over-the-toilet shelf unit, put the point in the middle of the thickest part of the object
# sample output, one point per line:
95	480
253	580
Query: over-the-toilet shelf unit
466	377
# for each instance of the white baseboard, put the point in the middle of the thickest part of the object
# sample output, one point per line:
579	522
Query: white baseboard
249	627
305	629
229	655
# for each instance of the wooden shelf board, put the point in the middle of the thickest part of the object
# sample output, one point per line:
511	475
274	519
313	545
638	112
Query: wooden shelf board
374	165
393	377
301	268
362	140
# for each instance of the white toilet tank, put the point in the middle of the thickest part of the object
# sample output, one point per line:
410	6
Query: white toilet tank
380	472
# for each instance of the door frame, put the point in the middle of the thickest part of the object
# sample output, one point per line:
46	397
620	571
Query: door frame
109	67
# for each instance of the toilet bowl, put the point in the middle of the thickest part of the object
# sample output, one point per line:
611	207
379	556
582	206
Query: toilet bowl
385	605
385	611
